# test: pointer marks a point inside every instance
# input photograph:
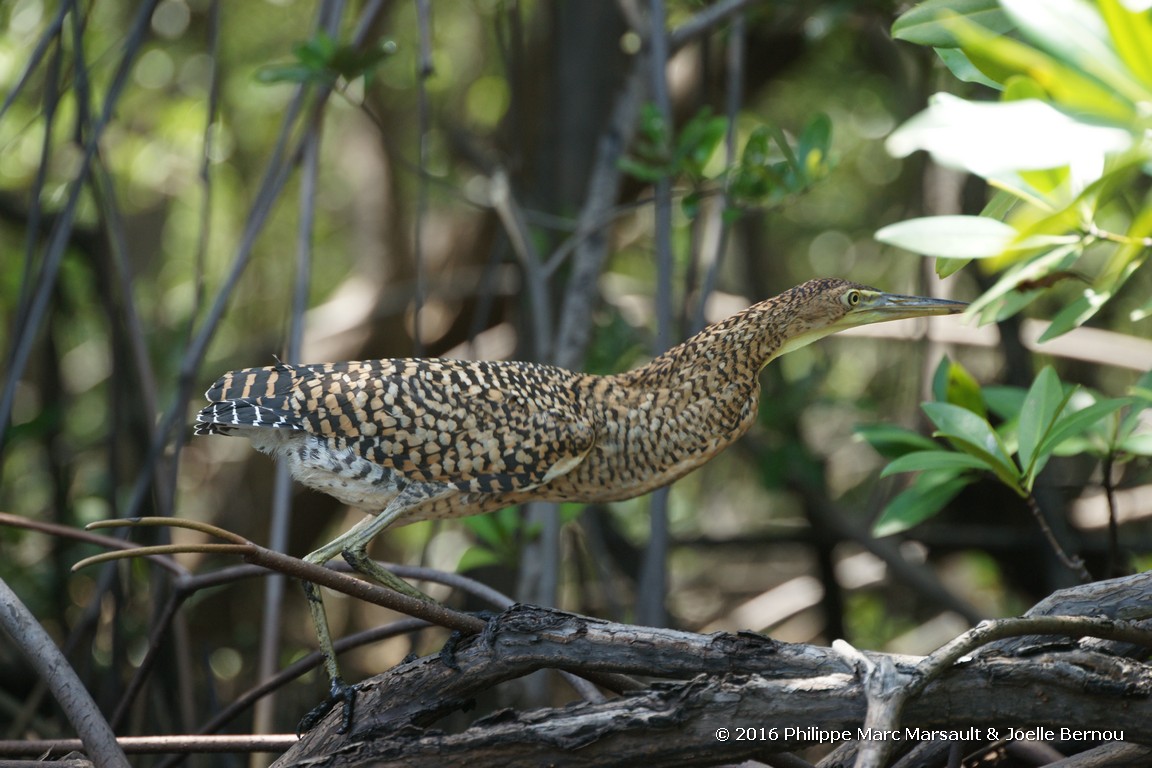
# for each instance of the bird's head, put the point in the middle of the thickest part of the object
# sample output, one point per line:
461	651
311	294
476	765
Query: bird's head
819	308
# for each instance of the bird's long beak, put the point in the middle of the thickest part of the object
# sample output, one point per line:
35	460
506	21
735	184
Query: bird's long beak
894	305
891	306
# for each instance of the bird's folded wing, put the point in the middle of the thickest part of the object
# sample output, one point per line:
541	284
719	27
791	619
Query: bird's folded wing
478	425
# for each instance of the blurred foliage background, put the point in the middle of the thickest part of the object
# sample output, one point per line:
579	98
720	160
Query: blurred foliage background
188	187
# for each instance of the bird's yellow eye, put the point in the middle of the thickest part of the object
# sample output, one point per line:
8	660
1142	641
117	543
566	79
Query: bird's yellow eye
852	298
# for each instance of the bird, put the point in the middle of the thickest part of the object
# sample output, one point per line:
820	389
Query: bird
428	438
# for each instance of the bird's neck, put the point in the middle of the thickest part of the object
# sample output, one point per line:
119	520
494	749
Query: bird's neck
697	398
735	348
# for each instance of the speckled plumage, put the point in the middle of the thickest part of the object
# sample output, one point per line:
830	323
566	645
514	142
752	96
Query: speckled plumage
492	434
413	439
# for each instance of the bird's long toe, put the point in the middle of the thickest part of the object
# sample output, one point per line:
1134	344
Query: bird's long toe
452	644
341	692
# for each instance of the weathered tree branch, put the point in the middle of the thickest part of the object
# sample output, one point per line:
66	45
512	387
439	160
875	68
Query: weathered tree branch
771	697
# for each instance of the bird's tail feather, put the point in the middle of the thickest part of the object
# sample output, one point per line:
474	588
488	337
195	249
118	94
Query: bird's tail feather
222	417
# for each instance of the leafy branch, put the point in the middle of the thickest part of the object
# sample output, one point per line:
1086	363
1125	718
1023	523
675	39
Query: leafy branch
1064	147
327	62
1049	419
771	167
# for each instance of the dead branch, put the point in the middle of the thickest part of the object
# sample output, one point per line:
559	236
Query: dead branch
723	698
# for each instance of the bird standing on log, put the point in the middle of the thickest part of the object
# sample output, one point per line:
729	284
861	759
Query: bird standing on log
419	439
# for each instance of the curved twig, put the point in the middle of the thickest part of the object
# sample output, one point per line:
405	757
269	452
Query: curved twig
431	612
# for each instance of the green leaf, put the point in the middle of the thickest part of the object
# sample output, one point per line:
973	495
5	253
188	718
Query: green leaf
1075	314
322	61
974	435
1070	425
1005	402
1136	445
1125	260
963	390
1032	270
954	237
1001	57
922	25
933	460
477	557
640	170
1073	32
940	380
893	442
1141	394
1042	405
813	147
999	207
1131	33
962	67
990	139
927	495
785	148
697	142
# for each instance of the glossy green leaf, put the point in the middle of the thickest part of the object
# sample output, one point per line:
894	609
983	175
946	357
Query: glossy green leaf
781	140
1131	33
892	442
1019	276
1005	402
322	61
697	142
1075	314
954	237
963	390
993	138
1072	424
999	207
962	67
1122	264
1001	57
922	24
940	379
1141	394
1074	32
973	435
1042	405
814	146
927	495
933	460
1141	312
477	557
1136	445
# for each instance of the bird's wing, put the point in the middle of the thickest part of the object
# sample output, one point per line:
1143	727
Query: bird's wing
478	425
253	397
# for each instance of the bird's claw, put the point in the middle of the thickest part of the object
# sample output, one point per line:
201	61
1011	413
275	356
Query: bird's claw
340	692
452	644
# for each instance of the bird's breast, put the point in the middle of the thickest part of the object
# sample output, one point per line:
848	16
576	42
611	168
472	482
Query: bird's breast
649	440
340	472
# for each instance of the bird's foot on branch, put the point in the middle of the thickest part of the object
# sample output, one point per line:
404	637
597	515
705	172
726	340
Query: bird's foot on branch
452	644
340	692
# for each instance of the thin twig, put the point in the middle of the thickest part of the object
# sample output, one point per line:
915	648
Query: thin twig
292	566
653	582
1074	564
1112	564
424	71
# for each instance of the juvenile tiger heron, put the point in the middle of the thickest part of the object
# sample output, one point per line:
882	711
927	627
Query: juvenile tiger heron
421	439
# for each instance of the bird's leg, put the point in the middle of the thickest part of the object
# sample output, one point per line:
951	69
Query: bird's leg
353	545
